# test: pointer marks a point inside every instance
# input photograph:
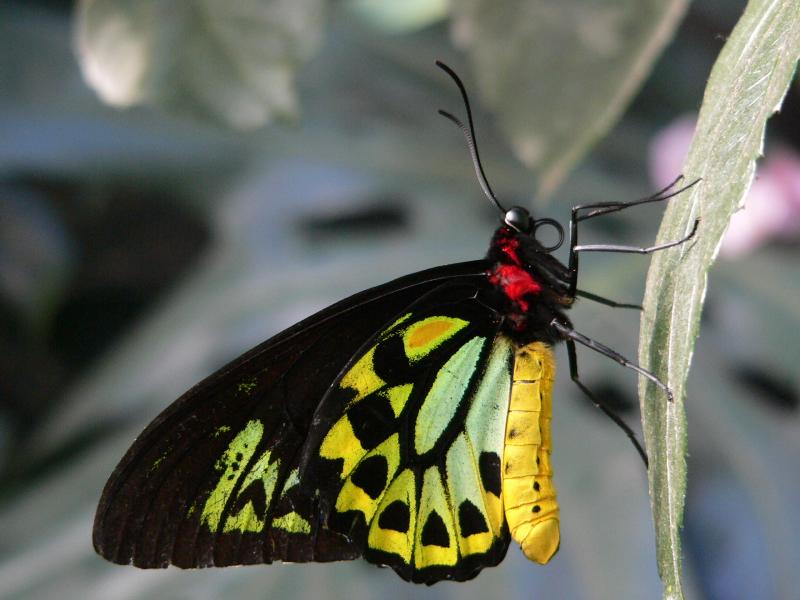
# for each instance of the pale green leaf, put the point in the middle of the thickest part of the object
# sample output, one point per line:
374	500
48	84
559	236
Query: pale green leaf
558	75
229	61
395	17
746	86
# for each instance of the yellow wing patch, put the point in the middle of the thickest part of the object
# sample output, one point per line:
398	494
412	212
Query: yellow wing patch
364	488
362	377
341	442
393	529
398	396
424	336
435	543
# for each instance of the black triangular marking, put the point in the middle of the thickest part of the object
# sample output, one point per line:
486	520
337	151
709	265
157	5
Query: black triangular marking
372	420
434	533
395	517
470	519
370	475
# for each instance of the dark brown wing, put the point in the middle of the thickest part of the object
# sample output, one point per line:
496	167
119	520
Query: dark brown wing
209	482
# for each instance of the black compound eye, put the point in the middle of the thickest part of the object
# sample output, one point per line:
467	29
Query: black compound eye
555	225
518	218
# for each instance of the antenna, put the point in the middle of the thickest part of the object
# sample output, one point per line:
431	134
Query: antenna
470	135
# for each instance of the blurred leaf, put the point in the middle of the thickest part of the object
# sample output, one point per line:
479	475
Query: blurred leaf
399	17
228	61
559	75
746	86
36	254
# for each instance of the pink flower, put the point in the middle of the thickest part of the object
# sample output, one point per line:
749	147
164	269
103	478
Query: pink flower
772	206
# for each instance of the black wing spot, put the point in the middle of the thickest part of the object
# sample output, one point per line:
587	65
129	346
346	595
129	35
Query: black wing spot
370	475
434	533
536	508
471	519
489	465
372	420
536	486
396	517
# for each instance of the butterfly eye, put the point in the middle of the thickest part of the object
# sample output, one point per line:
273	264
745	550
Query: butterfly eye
518	218
555	225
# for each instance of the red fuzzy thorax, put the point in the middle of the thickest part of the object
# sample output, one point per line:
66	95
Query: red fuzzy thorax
515	282
510	276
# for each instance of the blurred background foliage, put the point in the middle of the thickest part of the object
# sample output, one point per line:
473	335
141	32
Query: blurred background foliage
275	156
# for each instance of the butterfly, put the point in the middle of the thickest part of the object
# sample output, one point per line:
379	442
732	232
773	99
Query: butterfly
408	424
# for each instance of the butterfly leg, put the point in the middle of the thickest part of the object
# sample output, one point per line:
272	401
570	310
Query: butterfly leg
636	249
573	373
606	301
604	208
570	334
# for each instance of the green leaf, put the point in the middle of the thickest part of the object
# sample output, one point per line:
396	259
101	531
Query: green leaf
558	75
746	86
390	16
228	61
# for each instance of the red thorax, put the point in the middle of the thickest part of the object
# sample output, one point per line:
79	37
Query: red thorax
511	276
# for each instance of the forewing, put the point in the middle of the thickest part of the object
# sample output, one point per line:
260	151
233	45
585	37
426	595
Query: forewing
213	480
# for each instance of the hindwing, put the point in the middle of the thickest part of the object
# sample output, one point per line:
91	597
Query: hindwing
405	450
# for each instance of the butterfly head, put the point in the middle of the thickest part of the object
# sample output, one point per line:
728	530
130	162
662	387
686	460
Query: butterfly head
520	220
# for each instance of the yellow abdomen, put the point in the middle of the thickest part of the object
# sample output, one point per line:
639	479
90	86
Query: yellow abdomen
530	502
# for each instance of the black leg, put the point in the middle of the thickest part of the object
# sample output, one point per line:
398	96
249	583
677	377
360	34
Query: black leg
571	334
598	209
606	301
573	373
603	208
636	249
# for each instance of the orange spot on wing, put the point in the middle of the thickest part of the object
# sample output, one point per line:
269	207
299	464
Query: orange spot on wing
422	337
426	333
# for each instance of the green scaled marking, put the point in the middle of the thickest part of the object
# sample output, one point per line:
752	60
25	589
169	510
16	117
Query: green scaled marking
293	523
446	393
292	480
221	429
247	387
239	453
247	519
157	462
